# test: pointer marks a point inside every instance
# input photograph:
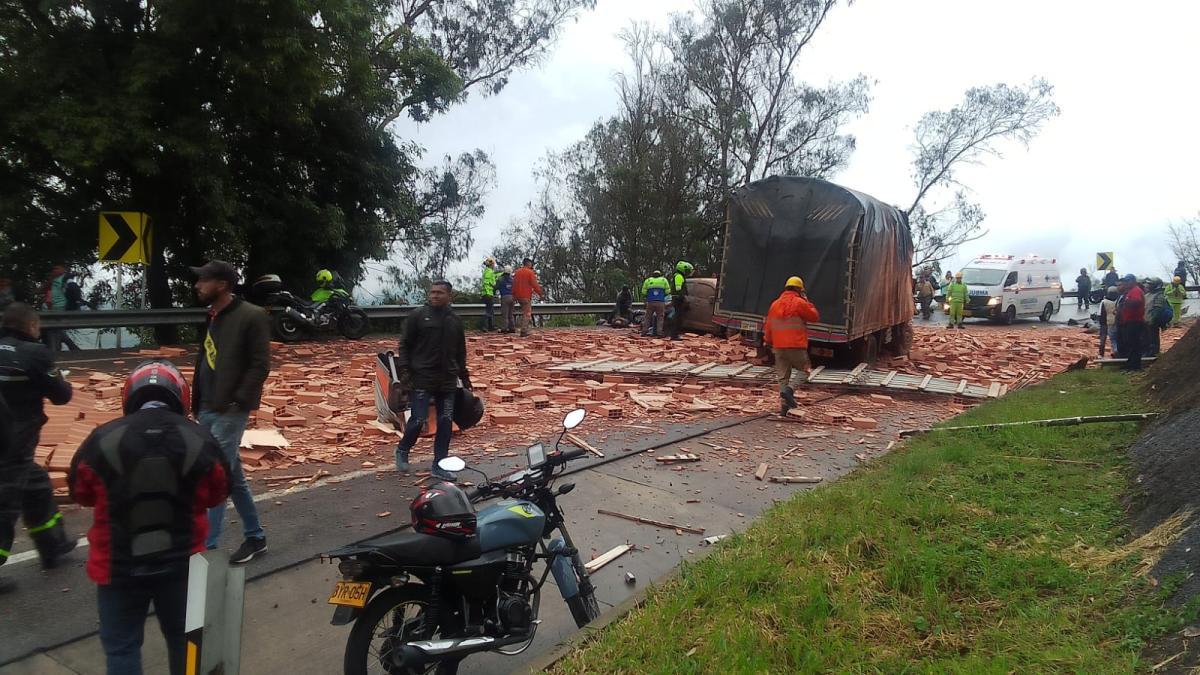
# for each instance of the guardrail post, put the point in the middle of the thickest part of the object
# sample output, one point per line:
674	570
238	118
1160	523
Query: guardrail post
213	624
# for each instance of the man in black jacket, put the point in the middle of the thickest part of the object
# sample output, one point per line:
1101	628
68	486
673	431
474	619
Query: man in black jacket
433	364
233	364
27	376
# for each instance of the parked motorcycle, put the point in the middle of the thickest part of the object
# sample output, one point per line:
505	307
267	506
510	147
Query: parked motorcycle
298	318
463	581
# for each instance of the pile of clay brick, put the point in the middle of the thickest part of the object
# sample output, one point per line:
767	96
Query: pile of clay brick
320	396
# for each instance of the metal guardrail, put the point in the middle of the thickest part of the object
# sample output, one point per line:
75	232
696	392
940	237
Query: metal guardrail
112	318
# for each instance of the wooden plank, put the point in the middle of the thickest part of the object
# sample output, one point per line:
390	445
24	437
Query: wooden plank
605	558
589	364
994	390
582	443
887	380
628	365
740	369
796	479
662	366
761	472
854	373
655	523
701	368
677	459
816	371
924	382
962	386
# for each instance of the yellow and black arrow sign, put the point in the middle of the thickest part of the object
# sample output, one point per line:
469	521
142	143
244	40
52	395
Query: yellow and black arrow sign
1104	261
125	237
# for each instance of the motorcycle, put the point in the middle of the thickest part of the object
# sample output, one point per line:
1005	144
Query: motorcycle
463	582
297	318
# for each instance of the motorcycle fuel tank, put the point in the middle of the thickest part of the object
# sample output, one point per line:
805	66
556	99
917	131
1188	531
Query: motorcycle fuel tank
509	523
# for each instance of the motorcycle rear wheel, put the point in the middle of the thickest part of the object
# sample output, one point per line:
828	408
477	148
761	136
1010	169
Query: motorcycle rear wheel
287	328
354	323
375	631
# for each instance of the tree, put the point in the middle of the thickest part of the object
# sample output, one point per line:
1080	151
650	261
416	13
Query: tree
452	203
965	134
255	132
1185	245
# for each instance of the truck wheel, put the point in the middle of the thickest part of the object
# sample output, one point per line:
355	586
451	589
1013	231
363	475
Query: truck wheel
1010	315
864	350
1047	312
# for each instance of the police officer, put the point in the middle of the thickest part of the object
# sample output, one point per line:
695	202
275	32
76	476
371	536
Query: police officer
27	376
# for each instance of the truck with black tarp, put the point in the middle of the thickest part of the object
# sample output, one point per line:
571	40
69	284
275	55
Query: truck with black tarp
853	251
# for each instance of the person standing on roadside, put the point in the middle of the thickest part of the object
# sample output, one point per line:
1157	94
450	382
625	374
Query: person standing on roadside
432	360
28	377
1083	290
654	290
504	286
525	286
487	288
1176	295
925	294
1108	320
1131	322
150	477
956	297
786	332
1112	278
233	364
679	301
55	298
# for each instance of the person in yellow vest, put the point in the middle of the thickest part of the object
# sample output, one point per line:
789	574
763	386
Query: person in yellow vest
1176	294
956	297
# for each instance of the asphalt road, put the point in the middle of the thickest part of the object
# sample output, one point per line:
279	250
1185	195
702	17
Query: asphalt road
49	623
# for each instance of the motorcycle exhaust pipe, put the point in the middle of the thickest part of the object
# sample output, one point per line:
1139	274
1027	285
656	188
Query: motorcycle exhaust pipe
415	654
300	318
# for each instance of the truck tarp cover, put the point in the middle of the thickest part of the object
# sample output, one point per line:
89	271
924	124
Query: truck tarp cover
784	226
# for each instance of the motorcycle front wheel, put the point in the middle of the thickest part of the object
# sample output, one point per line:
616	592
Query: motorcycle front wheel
287	328
392	618
354	323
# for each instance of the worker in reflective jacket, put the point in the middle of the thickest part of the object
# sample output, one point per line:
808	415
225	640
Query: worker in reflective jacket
956	297
786	332
1176	295
654	291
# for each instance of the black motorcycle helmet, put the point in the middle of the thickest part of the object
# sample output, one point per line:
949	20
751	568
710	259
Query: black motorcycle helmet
443	510
468	409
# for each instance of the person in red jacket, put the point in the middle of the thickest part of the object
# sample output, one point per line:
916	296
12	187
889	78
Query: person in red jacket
1131	322
525	285
786	332
150	477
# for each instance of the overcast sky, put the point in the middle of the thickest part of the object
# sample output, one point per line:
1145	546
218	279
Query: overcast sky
1109	174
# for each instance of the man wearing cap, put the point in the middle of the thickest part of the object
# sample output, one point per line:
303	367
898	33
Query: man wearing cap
786	332
956	297
487	288
1131	322
233	364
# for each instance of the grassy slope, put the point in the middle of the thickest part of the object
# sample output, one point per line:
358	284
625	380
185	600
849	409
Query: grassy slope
943	557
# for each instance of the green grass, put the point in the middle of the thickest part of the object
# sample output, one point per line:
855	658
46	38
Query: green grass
943	557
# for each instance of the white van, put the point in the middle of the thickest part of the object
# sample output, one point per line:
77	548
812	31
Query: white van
1005	287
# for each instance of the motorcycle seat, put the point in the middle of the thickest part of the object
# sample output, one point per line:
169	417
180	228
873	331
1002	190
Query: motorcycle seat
414	548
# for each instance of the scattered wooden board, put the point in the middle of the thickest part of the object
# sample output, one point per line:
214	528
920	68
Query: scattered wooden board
796	479
582	443
655	523
676	459
762	471
605	558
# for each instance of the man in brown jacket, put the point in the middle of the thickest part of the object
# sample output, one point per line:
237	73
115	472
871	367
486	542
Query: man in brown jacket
233	364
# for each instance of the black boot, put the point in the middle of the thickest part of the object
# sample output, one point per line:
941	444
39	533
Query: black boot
53	543
789	398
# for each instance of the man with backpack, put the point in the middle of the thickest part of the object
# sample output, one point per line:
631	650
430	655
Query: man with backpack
150	477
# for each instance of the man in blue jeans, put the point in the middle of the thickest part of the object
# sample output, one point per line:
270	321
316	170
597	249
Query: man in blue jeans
233	364
433	364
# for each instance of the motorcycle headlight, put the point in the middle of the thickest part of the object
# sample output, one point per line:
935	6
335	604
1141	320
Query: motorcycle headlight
992	302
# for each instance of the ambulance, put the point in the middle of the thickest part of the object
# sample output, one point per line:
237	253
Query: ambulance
1007	287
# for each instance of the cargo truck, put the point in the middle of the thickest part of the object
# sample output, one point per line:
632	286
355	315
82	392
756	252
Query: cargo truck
853	251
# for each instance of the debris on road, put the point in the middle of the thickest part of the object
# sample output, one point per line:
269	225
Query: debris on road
796	479
709	541
600	561
674	459
655	523
761	472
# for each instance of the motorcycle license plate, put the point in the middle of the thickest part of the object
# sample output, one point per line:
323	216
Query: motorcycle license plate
351	593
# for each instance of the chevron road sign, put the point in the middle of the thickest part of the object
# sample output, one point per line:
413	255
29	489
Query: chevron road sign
1104	261
125	236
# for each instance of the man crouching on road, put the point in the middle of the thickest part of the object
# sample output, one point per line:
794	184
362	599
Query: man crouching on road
433	363
786	332
151	477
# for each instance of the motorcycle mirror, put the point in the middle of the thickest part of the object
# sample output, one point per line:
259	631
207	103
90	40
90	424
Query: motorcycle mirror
574	418
452	464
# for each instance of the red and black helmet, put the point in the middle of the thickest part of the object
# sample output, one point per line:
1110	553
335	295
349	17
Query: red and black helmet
156	381
443	510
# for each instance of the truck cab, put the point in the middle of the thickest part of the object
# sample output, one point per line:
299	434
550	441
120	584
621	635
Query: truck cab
1007	287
